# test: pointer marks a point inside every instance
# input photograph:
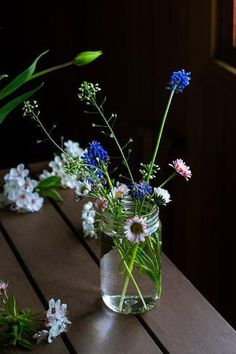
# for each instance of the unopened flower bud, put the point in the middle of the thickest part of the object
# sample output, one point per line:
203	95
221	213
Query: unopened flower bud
85	58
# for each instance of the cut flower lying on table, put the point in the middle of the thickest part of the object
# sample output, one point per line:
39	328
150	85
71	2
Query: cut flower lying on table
120	208
23	328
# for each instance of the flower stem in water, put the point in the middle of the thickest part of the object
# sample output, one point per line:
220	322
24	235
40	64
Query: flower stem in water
127	279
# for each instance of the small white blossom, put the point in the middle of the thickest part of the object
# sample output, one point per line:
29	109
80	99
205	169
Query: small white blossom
56	319
16	173
120	191
18	191
82	188
88	220
28	201
45	174
73	149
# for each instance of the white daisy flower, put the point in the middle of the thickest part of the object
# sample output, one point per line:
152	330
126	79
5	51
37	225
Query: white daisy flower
135	229
162	195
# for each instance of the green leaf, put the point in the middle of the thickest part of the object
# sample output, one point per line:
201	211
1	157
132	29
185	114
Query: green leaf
15	334
10	306
25	343
3	320
5	110
85	58
27	313
20	79
52	181
51	193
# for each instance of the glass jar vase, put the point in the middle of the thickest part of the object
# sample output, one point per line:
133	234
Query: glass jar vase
130	272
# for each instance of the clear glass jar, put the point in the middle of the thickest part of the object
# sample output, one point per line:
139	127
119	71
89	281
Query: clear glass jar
130	273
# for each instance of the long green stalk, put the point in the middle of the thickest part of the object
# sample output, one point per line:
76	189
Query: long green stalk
115	138
168	179
160	134
49	70
127	279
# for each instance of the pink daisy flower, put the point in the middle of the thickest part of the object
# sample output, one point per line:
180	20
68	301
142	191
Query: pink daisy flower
135	229
3	287
181	168
101	204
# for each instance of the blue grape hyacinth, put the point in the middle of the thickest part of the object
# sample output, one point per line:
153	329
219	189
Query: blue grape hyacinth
94	154
179	80
140	190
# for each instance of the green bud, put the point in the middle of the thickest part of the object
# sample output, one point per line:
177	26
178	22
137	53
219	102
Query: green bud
85	58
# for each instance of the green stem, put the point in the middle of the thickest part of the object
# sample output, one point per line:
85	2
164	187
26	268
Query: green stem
108	180
49	70
135	283
160	134
115	138
127	279
35	117
168	179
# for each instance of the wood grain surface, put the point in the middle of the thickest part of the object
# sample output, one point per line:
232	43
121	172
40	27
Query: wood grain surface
45	255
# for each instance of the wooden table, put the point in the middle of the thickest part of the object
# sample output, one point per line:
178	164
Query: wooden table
44	255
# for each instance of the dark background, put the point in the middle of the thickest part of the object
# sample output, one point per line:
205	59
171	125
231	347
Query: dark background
142	42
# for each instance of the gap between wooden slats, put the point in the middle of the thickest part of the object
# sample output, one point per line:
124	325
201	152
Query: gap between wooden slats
10	270
62	268
183	321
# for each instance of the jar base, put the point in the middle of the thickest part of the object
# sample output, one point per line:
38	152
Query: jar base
132	304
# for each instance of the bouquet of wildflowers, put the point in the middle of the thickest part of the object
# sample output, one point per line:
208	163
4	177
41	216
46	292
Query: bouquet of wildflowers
23	328
127	212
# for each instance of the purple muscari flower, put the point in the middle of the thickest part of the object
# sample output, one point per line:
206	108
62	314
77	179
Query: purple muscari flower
179	80
139	191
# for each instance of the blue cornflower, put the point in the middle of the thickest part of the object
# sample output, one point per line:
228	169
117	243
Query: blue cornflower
140	190
179	80
96	151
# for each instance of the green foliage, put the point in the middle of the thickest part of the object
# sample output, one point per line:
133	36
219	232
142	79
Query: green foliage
20	79
48	188
81	59
15	84
16	328
5	110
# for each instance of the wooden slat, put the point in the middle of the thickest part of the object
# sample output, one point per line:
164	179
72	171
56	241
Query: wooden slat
26	298
62	268
183	320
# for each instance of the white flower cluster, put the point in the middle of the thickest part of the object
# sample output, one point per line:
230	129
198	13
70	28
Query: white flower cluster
56	321
88	220
87	91
58	165
18	191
